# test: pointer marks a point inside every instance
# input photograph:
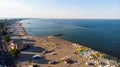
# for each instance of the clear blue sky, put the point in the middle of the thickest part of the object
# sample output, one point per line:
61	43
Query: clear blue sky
60	8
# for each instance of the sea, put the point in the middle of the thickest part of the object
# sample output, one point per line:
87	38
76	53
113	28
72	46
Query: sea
99	34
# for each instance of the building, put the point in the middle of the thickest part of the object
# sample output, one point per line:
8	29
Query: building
13	46
6	58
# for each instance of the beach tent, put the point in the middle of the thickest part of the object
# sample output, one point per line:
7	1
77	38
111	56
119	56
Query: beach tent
78	49
69	61
82	48
33	66
62	59
96	55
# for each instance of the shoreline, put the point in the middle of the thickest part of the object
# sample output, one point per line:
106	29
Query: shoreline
73	44
97	43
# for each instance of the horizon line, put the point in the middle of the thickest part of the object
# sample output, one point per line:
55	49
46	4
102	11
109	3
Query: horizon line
50	18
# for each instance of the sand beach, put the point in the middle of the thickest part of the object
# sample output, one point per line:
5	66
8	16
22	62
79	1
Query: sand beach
53	51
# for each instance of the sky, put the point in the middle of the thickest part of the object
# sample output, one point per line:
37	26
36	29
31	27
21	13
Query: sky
94	9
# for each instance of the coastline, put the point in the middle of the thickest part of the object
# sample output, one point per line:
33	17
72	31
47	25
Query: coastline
70	47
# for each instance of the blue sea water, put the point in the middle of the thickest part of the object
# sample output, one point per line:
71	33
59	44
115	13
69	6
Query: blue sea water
99	34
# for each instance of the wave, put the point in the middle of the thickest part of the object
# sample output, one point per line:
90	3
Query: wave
75	26
56	27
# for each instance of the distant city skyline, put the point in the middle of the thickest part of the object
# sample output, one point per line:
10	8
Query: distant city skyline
85	9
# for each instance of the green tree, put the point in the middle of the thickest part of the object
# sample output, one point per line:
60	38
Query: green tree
6	38
2	25
14	52
2	28
3	32
30	61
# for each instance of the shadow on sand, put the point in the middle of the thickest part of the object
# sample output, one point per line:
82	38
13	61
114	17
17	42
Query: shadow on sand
28	57
28	40
23	57
34	49
41	60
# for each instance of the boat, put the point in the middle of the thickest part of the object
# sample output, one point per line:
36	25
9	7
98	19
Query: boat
58	35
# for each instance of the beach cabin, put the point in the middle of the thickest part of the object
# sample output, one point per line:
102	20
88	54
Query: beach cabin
13	46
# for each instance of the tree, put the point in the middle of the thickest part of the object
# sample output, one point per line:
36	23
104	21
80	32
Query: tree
30	61
3	28
3	32
2	25
14	52
6	38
